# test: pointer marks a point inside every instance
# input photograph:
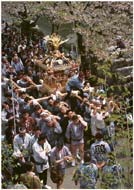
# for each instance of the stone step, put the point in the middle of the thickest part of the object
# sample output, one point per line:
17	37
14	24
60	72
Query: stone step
128	79
129	85
125	71
129	76
122	62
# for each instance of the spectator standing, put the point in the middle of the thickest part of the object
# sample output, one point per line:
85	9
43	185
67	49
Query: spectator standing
119	43
41	150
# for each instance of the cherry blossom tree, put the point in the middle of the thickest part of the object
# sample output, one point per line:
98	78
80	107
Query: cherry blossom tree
96	24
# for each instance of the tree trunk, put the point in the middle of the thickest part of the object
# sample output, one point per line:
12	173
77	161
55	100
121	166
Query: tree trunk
57	28
53	28
80	42
82	52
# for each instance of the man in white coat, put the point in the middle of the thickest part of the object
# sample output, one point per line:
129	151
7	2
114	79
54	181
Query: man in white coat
41	150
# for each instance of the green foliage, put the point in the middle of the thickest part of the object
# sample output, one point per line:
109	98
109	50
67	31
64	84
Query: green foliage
6	151
119	89
93	80
101	81
113	117
7	163
109	179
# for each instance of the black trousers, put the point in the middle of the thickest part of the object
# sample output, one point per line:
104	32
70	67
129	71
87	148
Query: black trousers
43	176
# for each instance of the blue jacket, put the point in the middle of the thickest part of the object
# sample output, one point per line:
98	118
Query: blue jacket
86	174
74	84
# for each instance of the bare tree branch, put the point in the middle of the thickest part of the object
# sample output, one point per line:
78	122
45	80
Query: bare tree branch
87	5
70	7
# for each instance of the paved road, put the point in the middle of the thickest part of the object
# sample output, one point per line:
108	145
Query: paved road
68	183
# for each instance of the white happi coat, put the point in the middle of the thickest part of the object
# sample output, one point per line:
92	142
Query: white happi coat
40	155
21	143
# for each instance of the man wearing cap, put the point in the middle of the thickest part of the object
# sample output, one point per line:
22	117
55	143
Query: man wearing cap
41	150
21	143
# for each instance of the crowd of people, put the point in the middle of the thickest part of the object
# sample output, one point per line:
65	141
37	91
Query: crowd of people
53	130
